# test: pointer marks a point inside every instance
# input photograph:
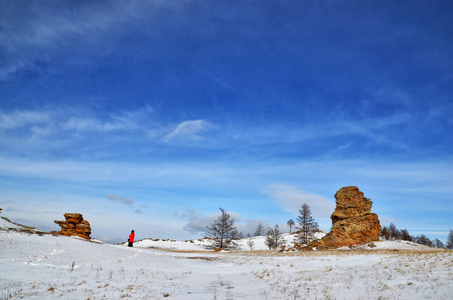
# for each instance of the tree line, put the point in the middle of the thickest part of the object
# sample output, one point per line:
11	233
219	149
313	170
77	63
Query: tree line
392	233
224	233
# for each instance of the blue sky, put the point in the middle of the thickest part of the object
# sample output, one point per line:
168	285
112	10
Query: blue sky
150	115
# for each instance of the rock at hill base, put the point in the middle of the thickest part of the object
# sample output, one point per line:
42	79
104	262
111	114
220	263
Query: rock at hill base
75	225
352	221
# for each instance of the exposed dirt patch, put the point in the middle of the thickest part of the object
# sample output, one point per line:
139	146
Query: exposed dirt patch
203	258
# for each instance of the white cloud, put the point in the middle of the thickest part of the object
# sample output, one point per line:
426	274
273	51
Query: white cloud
291	198
19	119
40	123
189	131
198	222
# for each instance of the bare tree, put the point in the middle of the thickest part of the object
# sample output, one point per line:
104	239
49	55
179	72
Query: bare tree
405	236
259	230
290	223
385	233
223	232
438	243
250	243
274	237
307	224
393	232
423	240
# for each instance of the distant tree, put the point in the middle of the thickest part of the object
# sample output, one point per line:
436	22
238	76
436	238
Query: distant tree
393	232
273	237
250	243
290	223
307	224
450	240
405	236
385	233
222	231
438	243
259	230
423	240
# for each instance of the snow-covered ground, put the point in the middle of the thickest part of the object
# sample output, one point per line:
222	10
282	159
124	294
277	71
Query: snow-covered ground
258	243
55	267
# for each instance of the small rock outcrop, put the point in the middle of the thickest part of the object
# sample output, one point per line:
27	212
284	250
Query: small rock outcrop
75	225
352	221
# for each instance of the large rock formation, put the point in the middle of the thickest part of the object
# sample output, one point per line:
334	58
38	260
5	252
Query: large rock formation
75	225
352	221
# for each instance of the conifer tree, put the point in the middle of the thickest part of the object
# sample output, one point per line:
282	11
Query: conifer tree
222	231
307	224
450	240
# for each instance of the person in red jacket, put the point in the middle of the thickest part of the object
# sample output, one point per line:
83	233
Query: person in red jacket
131	239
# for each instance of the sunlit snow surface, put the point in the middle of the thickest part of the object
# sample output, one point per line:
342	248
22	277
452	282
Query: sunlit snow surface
57	267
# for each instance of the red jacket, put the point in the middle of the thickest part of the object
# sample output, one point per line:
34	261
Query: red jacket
131	238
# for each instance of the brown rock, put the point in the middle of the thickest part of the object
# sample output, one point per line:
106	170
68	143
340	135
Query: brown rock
75	225
352	221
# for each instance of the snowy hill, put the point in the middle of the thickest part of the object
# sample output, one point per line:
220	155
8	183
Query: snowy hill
56	267
203	244
260	245
4	223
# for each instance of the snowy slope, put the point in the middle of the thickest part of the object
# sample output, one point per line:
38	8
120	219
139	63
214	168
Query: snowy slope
5	224
57	267
203	244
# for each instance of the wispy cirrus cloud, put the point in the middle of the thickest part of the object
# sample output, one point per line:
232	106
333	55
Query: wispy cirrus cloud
23	118
36	35
189	131
77	121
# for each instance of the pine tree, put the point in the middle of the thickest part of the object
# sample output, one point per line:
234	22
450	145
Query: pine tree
307	224
223	232
290	223
450	240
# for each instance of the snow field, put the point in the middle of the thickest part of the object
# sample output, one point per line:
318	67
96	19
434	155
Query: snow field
57	267
360	276
203	244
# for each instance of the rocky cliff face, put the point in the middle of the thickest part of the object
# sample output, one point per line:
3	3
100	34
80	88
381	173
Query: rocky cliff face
75	225
352	221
